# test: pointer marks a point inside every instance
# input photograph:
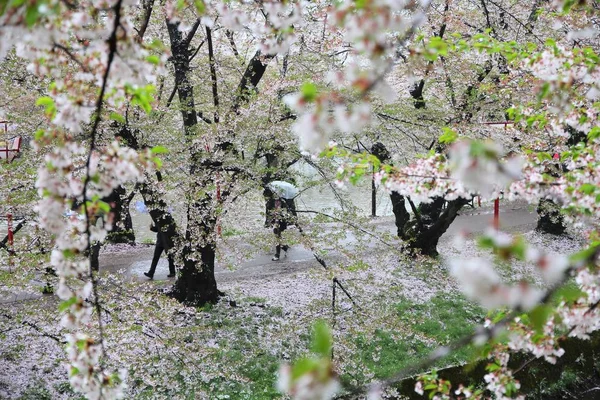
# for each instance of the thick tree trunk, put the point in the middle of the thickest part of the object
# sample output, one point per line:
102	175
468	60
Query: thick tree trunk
196	284
252	76
423	229
122	231
550	220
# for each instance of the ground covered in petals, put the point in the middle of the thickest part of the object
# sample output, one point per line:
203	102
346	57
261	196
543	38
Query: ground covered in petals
400	310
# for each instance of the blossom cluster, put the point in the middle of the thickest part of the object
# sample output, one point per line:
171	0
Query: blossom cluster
374	29
480	282
473	168
64	185
273	23
500	380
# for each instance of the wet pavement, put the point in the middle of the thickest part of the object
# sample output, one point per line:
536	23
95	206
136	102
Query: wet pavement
514	217
132	262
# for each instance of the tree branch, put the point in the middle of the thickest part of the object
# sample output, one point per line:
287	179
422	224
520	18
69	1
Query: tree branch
147	13
213	74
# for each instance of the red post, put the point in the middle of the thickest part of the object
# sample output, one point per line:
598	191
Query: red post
10	230
497	214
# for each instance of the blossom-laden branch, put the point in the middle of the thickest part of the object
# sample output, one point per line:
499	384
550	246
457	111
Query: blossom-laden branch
368	26
75	175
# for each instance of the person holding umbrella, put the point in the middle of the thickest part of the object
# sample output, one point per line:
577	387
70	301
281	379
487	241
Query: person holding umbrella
281	211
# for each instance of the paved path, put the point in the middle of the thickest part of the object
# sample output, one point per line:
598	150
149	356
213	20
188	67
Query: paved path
514	217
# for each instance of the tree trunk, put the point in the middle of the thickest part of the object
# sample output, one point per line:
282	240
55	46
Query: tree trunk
196	284
122	231
422	230
550	220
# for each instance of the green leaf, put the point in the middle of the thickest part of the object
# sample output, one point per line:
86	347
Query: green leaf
438	46
485	242
321	341
309	91
159	150
449	136
44	101
32	14
304	366
492	367
153	59
587	188
16	3
583	255
103	206
539	315
200	6
117	117
519	248
594	133
48	103
543	93
360	4
158	162
39	134
570	293
63	306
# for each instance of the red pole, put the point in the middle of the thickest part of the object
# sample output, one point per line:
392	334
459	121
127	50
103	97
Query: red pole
10	229
497	214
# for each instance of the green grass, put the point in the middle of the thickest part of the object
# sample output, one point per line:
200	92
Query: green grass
229	232
442	320
445	318
256	368
36	391
253	299
384	355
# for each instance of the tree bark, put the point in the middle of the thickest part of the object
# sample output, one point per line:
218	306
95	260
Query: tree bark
196	284
550	220
252	76
122	231
423	230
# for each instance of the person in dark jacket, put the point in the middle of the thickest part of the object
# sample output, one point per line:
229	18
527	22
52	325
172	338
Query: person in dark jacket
280	213
161	245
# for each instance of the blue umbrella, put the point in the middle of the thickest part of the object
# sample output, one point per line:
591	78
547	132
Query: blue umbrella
140	206
284	189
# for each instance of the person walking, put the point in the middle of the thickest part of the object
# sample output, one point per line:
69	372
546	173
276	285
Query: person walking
280	213
161	245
